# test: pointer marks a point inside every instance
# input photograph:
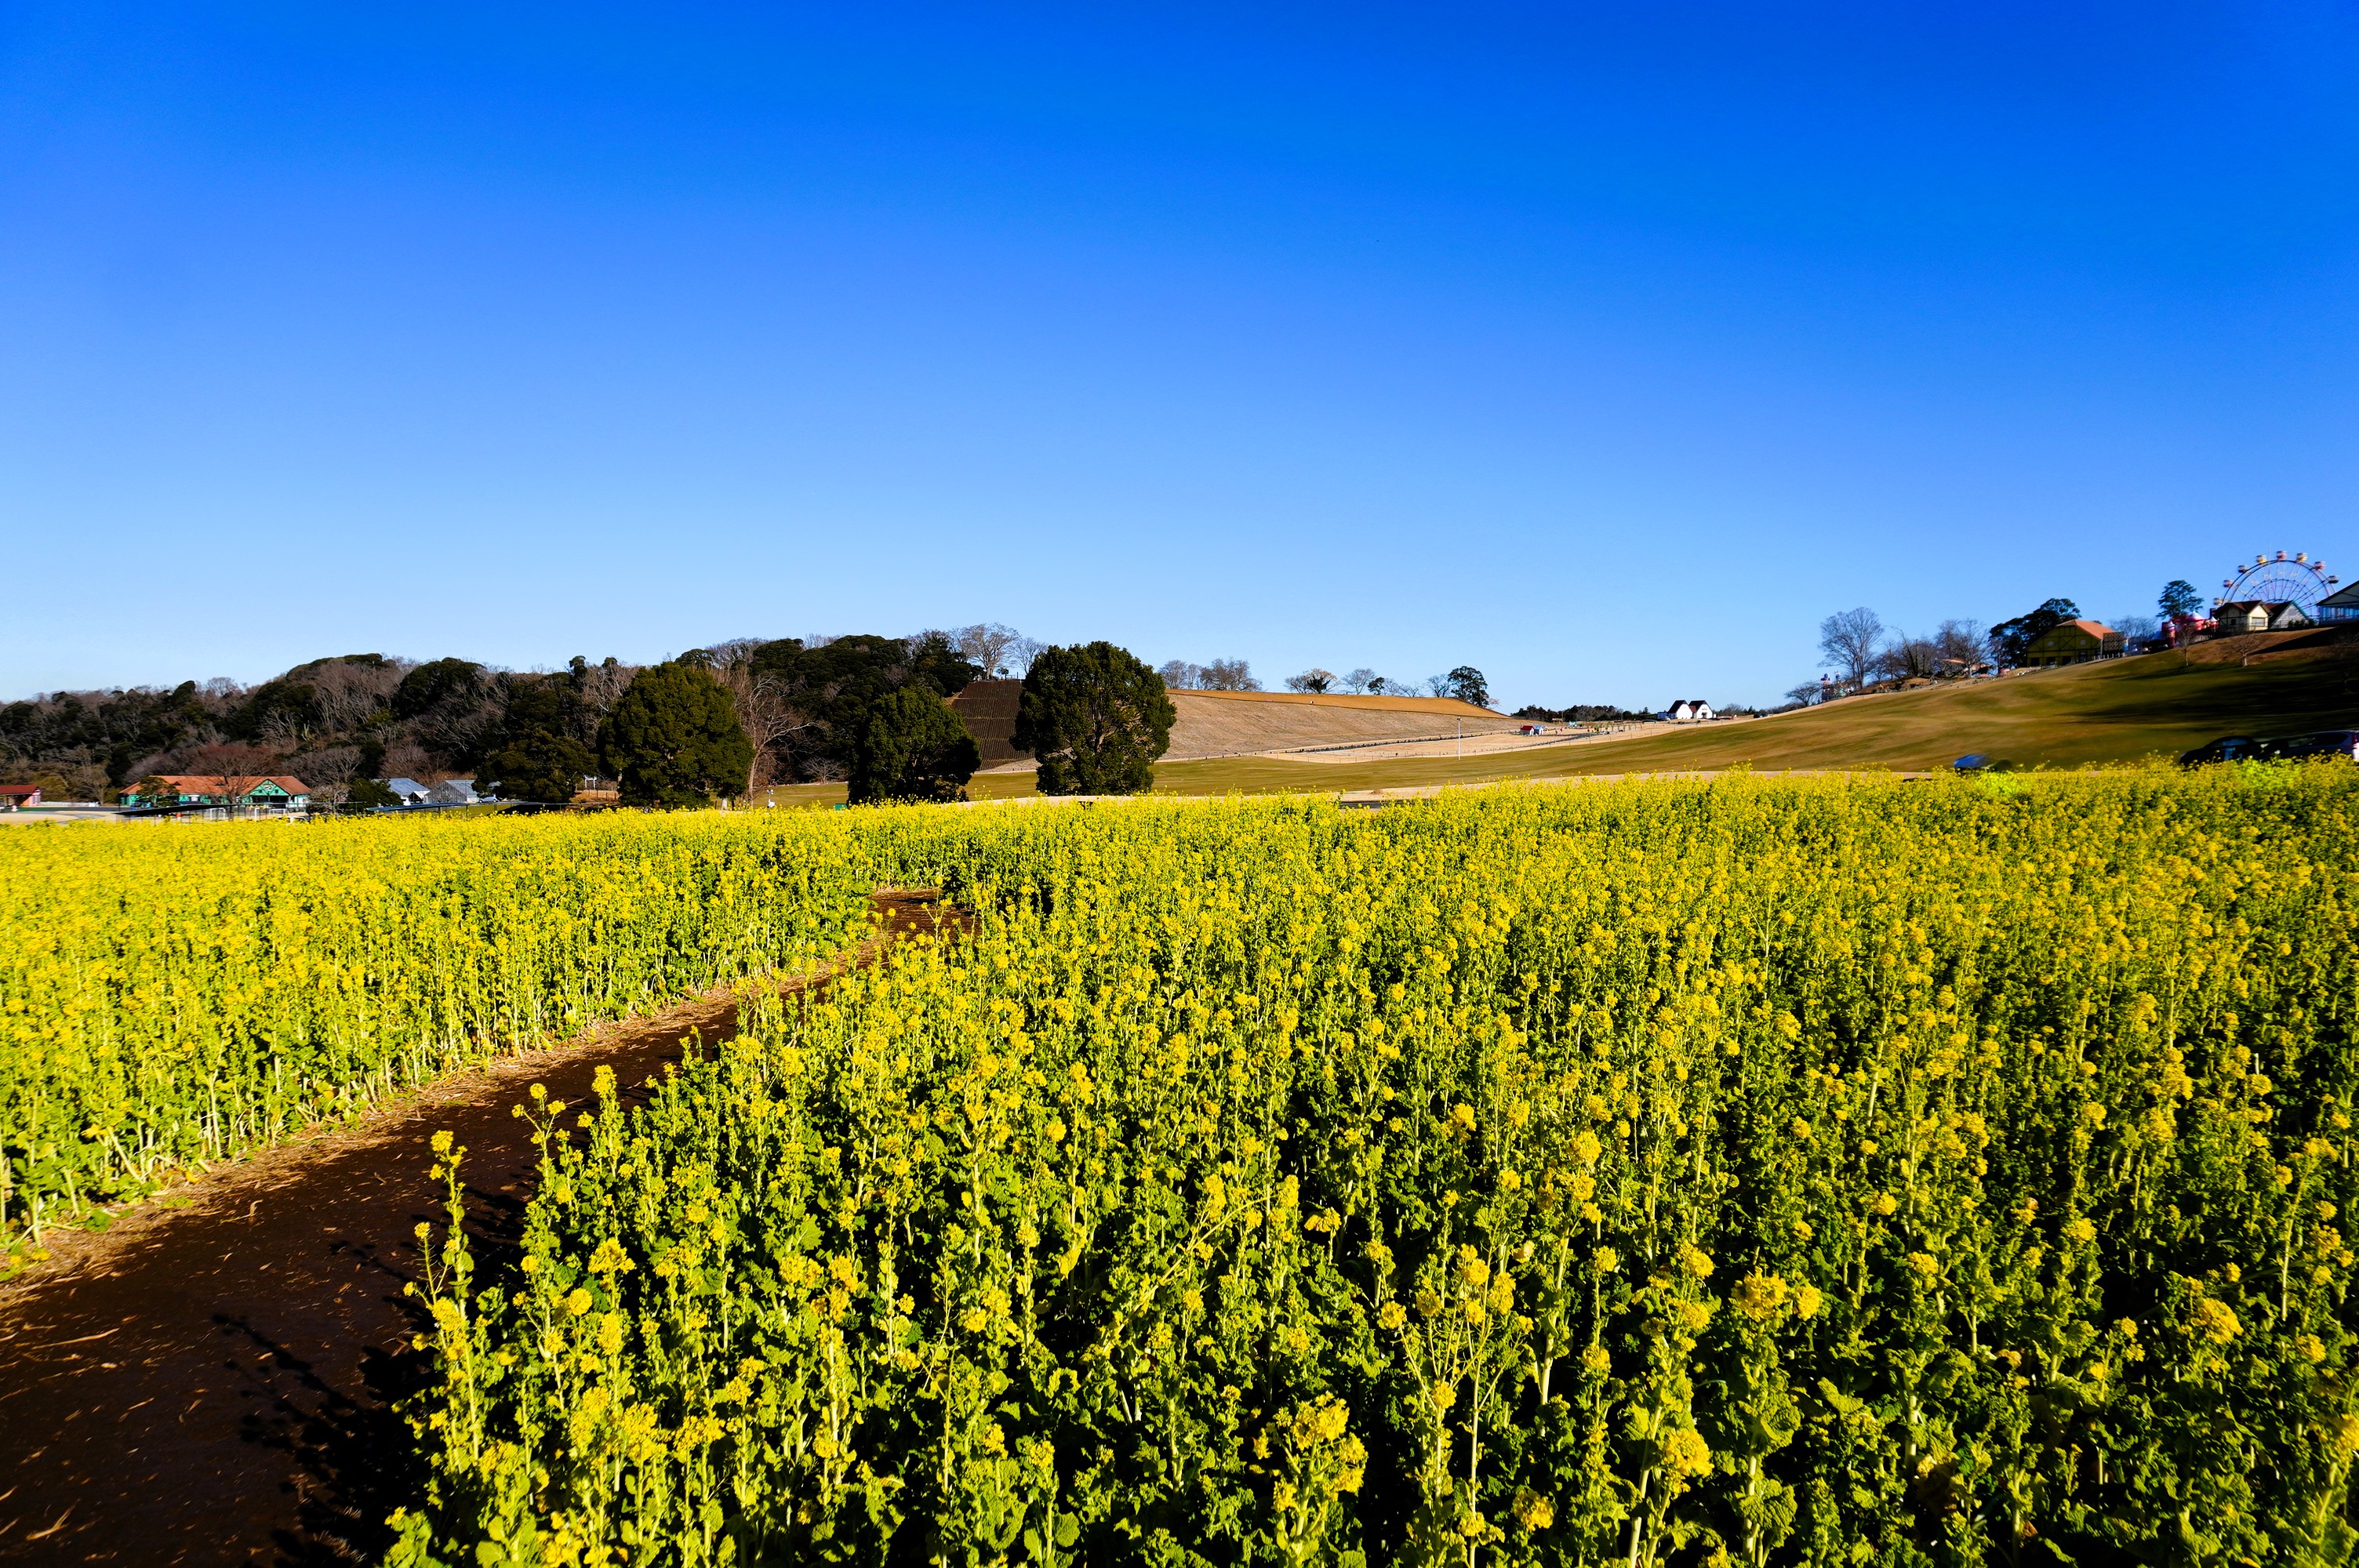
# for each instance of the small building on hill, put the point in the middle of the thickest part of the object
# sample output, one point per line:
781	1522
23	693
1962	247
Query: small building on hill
196	791
1686	709
13	796
2071	641
2237	615
2342	604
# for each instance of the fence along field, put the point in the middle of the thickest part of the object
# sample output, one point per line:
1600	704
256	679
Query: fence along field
1807	1172
169	997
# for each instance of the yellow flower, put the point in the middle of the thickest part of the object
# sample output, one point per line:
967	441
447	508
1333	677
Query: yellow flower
1761	1297
1685	1453
577	1303
440	1143
1806	1301
1597	1359
2213	1321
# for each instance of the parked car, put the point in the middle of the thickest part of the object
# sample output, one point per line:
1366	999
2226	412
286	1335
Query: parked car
1982	763
2344	743
2227	748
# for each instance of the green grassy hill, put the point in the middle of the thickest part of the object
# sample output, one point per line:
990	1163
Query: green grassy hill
2112	711
2109	711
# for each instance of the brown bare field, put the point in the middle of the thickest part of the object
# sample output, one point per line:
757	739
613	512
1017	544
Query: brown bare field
1232	723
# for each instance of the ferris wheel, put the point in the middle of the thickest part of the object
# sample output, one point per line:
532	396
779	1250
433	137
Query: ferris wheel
2273	579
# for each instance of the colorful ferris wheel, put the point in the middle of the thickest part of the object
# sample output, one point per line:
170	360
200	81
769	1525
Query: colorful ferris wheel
2275	579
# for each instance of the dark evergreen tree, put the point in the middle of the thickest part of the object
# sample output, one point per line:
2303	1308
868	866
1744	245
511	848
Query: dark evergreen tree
435	685
834	687
1096	718
1467	685
914	749
369	795
673	738
2178	599
539	755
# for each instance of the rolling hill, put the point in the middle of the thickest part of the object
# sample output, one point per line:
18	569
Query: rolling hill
2116	710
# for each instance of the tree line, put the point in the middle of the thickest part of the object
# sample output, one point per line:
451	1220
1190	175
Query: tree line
1465	683
1861	651
717	722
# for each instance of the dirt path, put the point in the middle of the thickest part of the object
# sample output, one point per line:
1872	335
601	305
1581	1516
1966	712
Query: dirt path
212	1383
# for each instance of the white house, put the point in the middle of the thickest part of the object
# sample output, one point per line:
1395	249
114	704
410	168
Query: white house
1686	709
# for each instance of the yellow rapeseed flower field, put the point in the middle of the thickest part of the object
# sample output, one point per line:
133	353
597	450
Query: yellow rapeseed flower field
171	996
1825	1171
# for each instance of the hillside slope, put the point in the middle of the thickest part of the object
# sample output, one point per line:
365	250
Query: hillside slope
2108	711
2115	712
1235	723
1232	723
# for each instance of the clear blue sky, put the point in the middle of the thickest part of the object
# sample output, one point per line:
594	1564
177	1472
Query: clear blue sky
1606	349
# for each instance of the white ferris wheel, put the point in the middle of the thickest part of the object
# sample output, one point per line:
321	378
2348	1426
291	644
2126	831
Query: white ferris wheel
2275	579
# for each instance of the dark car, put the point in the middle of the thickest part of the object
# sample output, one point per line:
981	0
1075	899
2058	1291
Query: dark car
2344	743
2227	748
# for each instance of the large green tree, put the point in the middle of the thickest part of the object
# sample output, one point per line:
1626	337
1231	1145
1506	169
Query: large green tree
540	754
2178	599
914	749
1096	718
673	738
832	689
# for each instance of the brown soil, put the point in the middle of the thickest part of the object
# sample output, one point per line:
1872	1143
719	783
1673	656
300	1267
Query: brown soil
1236	723
213	1382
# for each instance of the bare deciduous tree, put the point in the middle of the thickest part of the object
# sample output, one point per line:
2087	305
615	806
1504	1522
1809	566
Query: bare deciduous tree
764	710
1850	639
1230	675
1178	674
347	695
988	644
1363	680
1908	658
1962	644
601	685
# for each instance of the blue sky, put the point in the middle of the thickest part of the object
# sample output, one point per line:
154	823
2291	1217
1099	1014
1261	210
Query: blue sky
1607	349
